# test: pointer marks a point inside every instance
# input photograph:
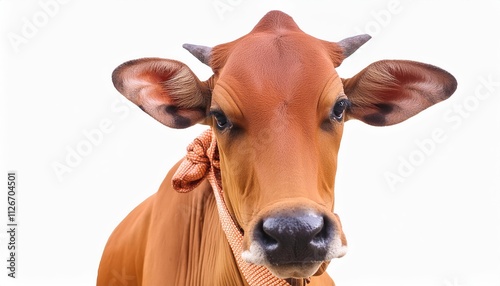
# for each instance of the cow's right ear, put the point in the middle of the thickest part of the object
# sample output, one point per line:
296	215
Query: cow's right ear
165	89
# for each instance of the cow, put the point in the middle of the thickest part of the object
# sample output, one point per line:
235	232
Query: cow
252	202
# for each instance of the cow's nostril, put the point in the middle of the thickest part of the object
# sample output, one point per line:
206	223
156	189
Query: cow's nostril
266	236
299	237
324	235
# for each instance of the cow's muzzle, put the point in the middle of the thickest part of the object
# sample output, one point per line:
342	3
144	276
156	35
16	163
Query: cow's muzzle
294	243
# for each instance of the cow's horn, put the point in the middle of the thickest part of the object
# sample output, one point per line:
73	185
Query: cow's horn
351	44
202	53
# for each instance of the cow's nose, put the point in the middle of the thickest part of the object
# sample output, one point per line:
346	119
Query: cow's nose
296	237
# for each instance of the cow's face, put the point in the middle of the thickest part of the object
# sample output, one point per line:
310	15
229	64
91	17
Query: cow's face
277	107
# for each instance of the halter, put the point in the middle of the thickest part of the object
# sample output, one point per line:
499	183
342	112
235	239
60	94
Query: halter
202	162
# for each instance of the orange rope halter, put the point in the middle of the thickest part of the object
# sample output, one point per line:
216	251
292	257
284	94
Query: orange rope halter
202	161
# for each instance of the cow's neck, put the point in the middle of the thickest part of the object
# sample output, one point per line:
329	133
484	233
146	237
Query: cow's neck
202	166
216	258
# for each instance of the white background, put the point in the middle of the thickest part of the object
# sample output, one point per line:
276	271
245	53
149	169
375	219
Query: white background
439	225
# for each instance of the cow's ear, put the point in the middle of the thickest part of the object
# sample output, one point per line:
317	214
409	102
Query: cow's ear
165	89
390	91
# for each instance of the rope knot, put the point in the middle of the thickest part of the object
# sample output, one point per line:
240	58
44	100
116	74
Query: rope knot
201	155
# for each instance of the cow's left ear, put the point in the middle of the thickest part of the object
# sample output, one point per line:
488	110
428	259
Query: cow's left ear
165	89
390	91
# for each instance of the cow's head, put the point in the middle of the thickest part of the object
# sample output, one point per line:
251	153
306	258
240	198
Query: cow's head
277	107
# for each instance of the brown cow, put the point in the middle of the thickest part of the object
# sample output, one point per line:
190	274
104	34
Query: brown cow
276	107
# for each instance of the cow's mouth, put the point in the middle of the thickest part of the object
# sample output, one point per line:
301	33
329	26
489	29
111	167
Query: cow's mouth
295	270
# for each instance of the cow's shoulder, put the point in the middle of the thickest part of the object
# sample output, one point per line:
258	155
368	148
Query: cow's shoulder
124	253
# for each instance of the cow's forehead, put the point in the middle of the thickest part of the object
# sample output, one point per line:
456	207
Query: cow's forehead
275	43
277	54
275	67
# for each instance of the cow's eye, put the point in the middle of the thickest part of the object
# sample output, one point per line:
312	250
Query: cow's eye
339	108
221	120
